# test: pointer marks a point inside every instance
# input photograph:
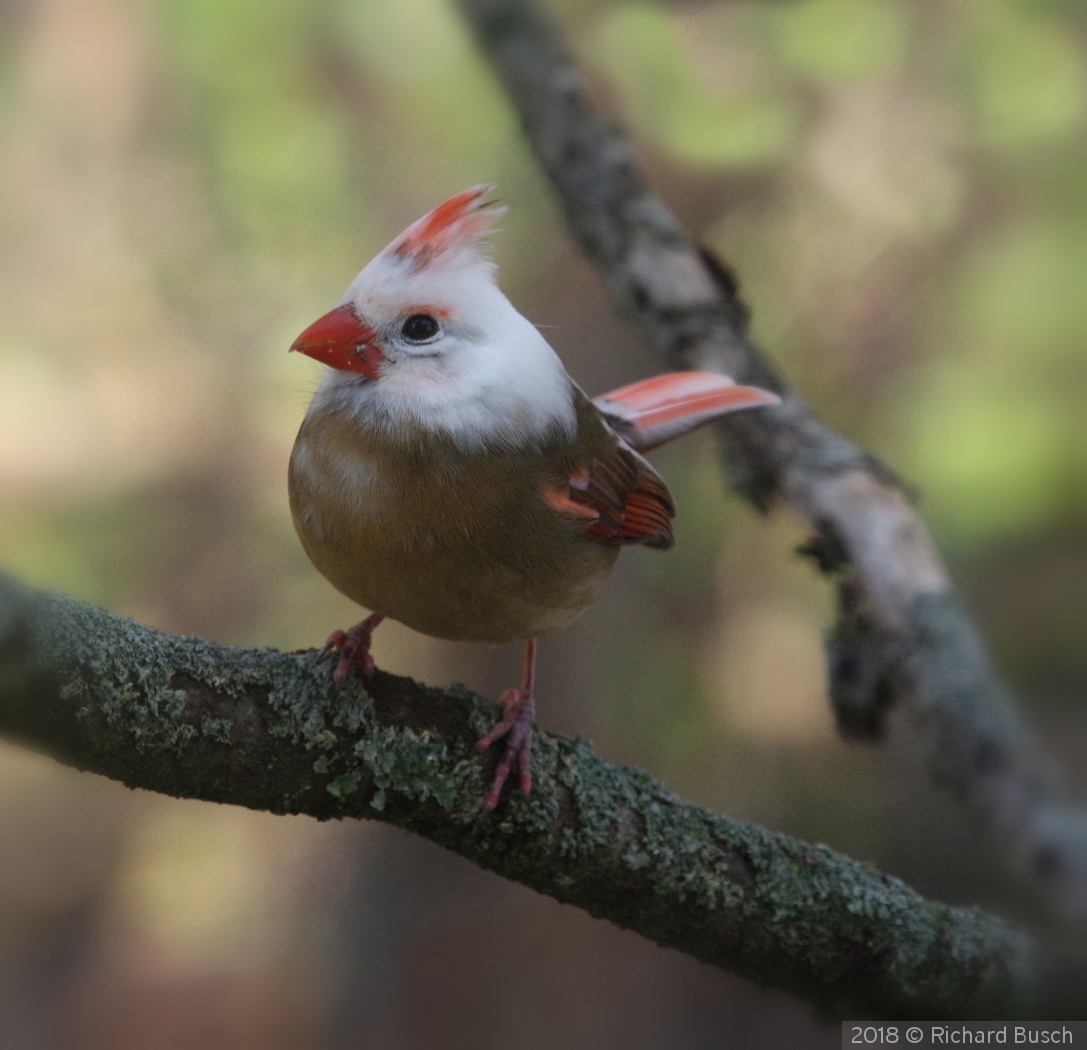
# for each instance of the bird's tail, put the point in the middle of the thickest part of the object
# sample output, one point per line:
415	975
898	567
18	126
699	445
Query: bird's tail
652	411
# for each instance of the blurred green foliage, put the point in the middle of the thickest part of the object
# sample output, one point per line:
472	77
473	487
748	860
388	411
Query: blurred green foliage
706	113
842	40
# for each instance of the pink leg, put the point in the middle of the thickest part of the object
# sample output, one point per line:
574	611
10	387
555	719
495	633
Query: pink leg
354	646
519	710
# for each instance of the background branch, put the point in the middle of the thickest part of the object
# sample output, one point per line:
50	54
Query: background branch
901	636
263	729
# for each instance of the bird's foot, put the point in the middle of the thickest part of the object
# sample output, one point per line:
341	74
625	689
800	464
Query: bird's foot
354	647
516	725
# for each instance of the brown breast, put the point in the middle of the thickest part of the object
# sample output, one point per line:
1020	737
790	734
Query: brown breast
455	544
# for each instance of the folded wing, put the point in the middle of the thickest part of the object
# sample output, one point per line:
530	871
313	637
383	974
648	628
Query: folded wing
618	498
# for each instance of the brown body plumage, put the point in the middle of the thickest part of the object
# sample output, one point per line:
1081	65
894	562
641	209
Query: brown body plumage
460	544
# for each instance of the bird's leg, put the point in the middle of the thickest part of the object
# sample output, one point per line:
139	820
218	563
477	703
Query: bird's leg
354	646
519	710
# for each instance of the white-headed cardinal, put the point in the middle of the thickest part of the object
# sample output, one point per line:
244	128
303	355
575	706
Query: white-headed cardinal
451	475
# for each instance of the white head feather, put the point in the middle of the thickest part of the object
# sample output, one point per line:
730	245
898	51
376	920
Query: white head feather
487	376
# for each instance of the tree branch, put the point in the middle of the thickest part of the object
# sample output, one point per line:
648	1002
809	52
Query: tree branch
901	635
264	729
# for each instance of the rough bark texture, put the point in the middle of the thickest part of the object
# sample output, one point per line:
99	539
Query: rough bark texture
263	729
901	635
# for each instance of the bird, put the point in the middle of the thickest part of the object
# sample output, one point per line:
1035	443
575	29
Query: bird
451	475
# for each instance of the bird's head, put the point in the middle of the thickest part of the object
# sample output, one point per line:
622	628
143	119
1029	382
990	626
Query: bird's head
423	334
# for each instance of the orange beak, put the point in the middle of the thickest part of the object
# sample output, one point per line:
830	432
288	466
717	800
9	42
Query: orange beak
340	340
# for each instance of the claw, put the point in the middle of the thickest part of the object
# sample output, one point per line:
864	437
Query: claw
508	700
354	647
519	713
336	640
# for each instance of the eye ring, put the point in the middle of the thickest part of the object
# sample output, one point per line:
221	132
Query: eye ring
420	328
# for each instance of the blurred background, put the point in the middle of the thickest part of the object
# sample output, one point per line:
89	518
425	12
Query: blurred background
186	184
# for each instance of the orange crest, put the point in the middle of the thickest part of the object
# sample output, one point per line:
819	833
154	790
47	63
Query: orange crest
457	223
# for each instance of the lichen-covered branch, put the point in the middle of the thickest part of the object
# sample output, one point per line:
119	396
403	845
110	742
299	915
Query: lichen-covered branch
901	635
263	729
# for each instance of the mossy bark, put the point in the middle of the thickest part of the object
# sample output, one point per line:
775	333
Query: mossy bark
264	729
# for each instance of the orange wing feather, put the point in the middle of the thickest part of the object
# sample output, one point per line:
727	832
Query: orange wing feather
621	499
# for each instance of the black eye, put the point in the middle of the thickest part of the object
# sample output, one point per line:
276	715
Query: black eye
419	328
